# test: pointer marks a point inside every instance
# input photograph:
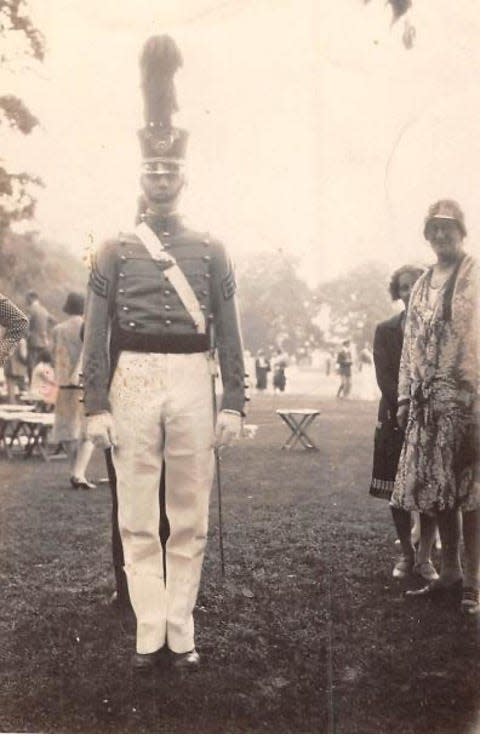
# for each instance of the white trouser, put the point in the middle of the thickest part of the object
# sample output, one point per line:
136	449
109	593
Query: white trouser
162	409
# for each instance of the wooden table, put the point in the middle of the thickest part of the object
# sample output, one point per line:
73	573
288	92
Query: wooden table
17	407
25	430
298	420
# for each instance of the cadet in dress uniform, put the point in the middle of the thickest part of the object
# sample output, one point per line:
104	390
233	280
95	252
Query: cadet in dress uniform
154	298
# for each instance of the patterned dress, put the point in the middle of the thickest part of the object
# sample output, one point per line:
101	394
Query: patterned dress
15	324
439	373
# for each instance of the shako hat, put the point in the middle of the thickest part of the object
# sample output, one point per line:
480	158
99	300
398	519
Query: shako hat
445	210
163	146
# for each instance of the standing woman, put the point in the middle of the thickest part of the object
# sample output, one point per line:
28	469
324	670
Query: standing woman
280	363
69	423
16	325
262	367
388	341
439	403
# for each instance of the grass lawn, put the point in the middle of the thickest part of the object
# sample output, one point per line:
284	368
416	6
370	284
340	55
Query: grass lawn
308	632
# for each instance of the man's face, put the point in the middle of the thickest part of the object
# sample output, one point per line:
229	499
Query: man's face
445	239
406	282
162	188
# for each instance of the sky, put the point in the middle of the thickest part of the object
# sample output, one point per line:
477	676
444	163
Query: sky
314	132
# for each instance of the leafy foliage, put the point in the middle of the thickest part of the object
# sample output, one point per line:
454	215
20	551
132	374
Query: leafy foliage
27	262
276	306
357	302
13	20
17	200
17	114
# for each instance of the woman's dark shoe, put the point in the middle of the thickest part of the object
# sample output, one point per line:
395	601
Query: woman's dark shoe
437	589
470	602
81	483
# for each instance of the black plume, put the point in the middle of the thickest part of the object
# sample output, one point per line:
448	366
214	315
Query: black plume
160	59
399	7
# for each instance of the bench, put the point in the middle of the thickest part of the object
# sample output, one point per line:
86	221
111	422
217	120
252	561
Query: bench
25	430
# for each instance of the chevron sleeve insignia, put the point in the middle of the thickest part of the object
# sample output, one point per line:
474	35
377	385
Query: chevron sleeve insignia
228	285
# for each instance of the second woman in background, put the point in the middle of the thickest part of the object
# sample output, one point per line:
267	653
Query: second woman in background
388	441
69	426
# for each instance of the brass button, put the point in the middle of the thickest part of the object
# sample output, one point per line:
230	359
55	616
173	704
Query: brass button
122	275
167	322
167	292
166	233
204	292
203	307
132	324
207	276
206	258
167	308
125	308
122	291
123	258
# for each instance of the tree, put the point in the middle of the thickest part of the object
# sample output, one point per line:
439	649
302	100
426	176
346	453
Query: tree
17	201
357	301
27	262
276	306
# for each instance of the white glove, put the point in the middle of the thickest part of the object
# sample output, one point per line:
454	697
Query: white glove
228	427
100	430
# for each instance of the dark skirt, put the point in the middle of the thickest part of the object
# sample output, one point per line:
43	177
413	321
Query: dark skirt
279	379
261	374
388	440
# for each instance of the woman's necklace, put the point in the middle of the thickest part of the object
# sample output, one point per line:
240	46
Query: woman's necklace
439	278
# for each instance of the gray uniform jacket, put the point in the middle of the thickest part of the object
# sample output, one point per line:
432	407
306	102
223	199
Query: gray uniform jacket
132	306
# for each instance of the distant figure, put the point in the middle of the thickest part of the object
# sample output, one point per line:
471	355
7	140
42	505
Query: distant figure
262	368
344	361
69	425
365	357
15	324
280	363
43	385
39	328
366	384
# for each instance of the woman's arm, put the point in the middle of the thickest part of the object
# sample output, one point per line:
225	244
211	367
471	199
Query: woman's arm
16	326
